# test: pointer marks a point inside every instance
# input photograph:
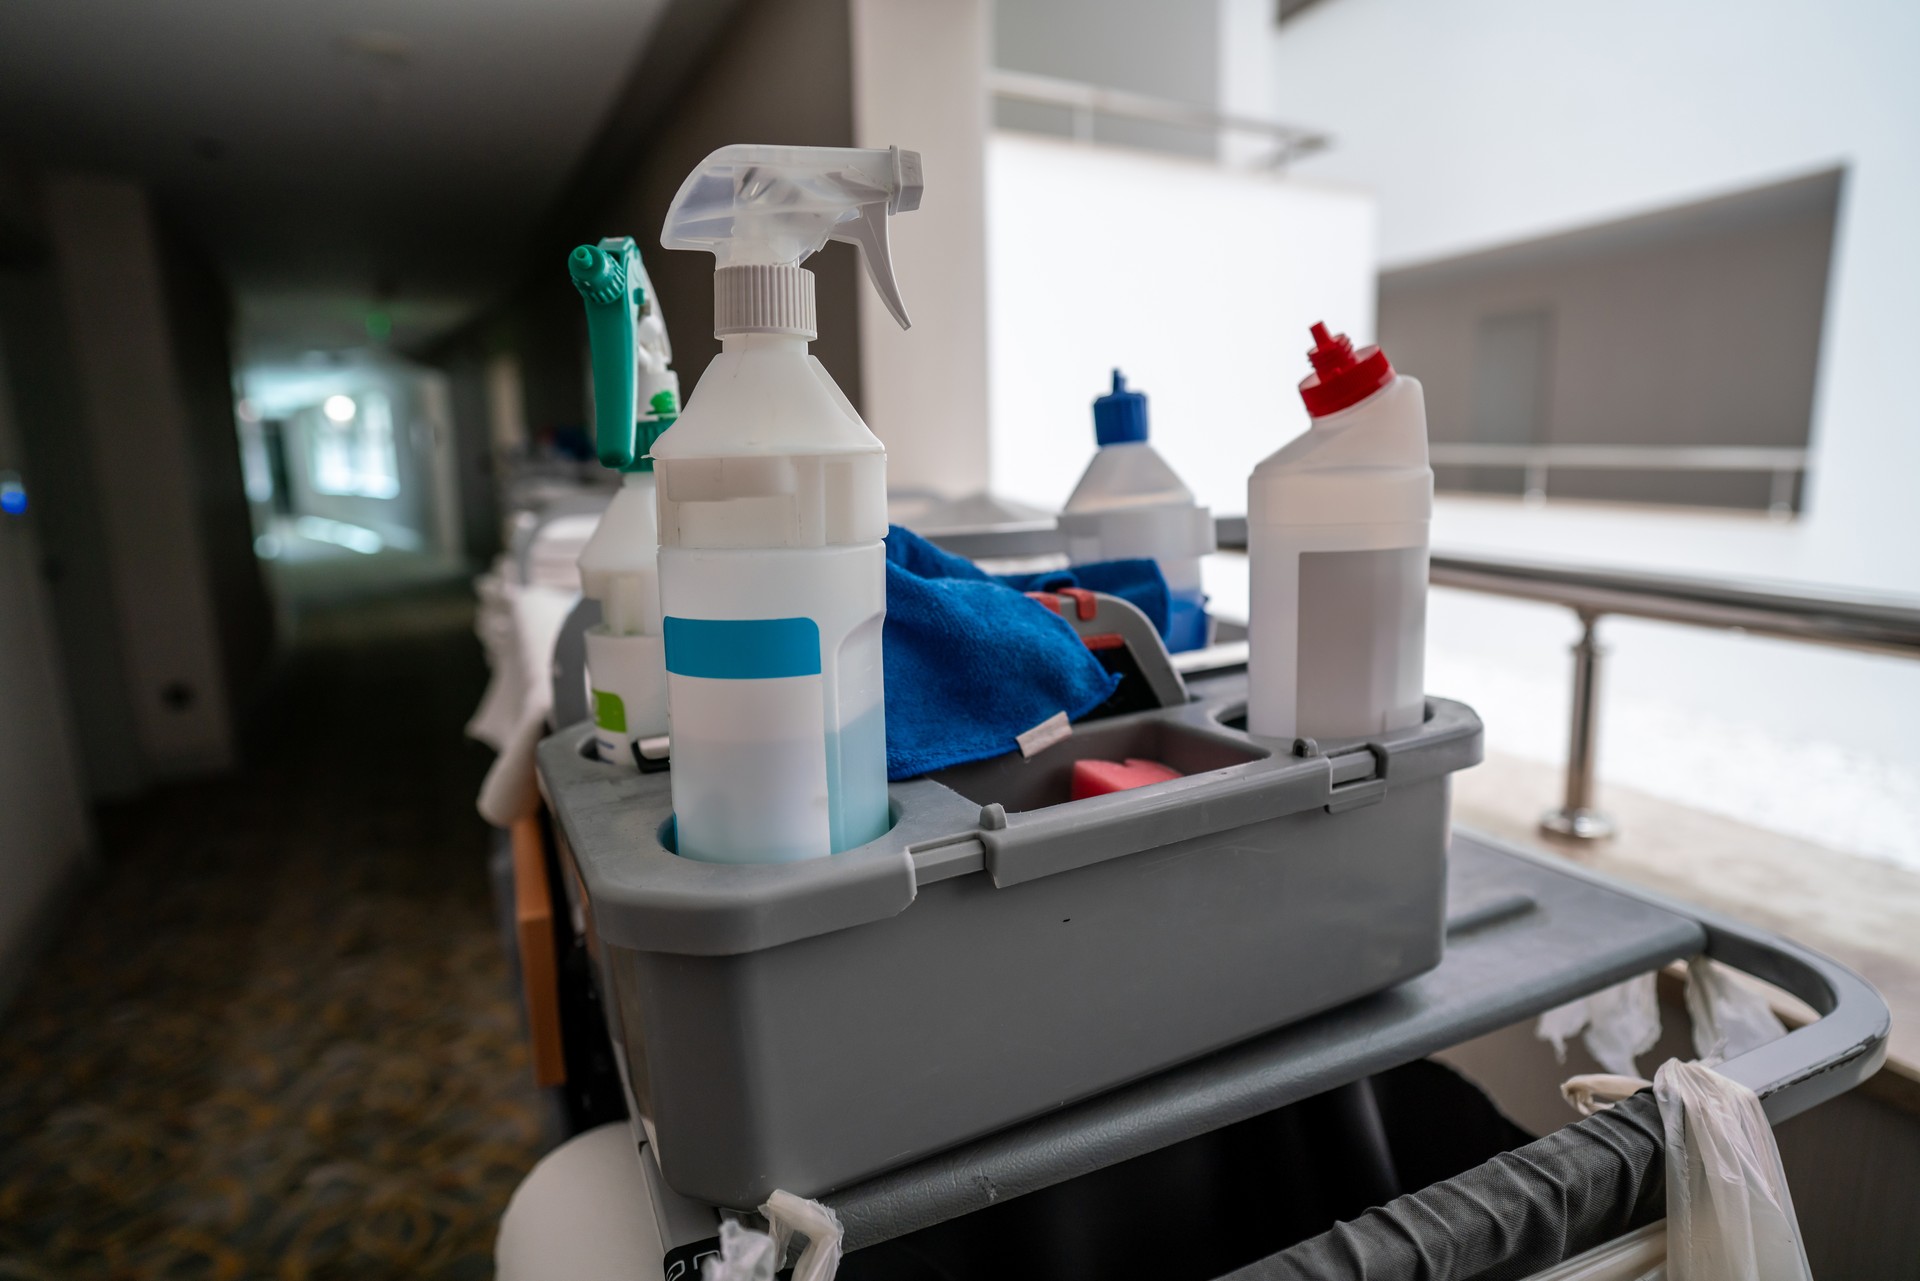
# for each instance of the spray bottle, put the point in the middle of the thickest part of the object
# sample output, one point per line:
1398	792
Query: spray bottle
1337	528
773	508
635	397
1129	503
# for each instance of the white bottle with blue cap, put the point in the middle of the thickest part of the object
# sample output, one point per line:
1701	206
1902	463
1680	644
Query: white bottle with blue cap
773	515
1129	503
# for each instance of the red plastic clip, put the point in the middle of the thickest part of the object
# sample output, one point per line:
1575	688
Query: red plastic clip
1083	601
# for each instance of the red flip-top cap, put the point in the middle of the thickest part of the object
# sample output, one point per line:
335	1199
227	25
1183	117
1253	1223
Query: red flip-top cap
1341	377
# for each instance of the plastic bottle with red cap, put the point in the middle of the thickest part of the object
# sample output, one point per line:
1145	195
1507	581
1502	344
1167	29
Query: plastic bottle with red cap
1337	535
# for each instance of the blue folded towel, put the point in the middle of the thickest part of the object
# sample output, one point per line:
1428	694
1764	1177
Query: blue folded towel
972	663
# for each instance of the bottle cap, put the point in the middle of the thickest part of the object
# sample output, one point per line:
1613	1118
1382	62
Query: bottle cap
1341	377
1120	416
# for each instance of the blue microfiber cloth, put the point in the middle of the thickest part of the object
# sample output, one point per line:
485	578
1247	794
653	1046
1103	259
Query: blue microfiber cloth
972	663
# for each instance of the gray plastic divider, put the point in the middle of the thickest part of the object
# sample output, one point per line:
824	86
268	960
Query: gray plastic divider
647	898
1003	950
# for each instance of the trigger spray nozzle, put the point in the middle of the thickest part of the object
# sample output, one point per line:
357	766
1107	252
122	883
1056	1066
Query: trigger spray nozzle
631	357
598	275
762	211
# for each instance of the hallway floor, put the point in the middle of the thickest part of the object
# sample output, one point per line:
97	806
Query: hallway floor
278	1039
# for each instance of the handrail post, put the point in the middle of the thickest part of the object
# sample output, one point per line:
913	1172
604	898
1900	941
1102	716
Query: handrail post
1083	122
1577	817
1780	499
1534	487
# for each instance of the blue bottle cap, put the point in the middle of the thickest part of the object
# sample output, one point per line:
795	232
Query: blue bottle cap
1120	416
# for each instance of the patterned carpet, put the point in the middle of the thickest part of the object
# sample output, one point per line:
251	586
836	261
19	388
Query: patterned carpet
278	1039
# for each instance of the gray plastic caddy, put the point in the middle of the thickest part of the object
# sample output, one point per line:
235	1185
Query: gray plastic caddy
1003	950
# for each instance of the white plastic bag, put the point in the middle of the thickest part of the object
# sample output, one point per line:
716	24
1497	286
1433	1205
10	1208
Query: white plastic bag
1729	1017
1729	1216
1621	1023
792	1215
747	1255
1598	1091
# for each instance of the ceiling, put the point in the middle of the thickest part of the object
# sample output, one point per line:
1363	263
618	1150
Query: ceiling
341	159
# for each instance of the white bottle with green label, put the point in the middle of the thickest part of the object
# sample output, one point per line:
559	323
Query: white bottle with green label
773	512
635	394
1337	533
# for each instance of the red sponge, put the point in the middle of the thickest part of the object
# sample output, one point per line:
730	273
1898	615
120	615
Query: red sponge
1097	778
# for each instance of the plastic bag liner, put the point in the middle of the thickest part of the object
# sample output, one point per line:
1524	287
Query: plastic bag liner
1729	1217
1520	1213
1698	1146
1729	1017
1620	1024
747	1255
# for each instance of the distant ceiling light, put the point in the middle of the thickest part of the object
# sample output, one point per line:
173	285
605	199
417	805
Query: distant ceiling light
339	408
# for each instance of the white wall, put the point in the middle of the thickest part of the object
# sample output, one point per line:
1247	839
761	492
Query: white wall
1162	48
433	436
43	827
110	283
1198	281
1245	82
919	83
1481	122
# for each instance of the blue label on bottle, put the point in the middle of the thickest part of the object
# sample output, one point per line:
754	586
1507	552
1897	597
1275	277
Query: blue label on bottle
743	649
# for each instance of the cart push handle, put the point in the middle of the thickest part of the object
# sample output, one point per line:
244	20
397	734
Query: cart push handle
1818	1061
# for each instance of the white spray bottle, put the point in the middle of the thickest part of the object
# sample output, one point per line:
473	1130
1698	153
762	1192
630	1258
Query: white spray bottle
773	512
1337	535
635	396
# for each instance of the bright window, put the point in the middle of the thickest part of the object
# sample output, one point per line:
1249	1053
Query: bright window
352	447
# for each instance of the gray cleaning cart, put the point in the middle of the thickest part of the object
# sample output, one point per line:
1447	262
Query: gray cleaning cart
996	1040
1522	934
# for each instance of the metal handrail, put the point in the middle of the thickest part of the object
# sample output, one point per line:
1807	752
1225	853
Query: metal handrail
1785	465
1086	101
1848	620
1852	620
1822	616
